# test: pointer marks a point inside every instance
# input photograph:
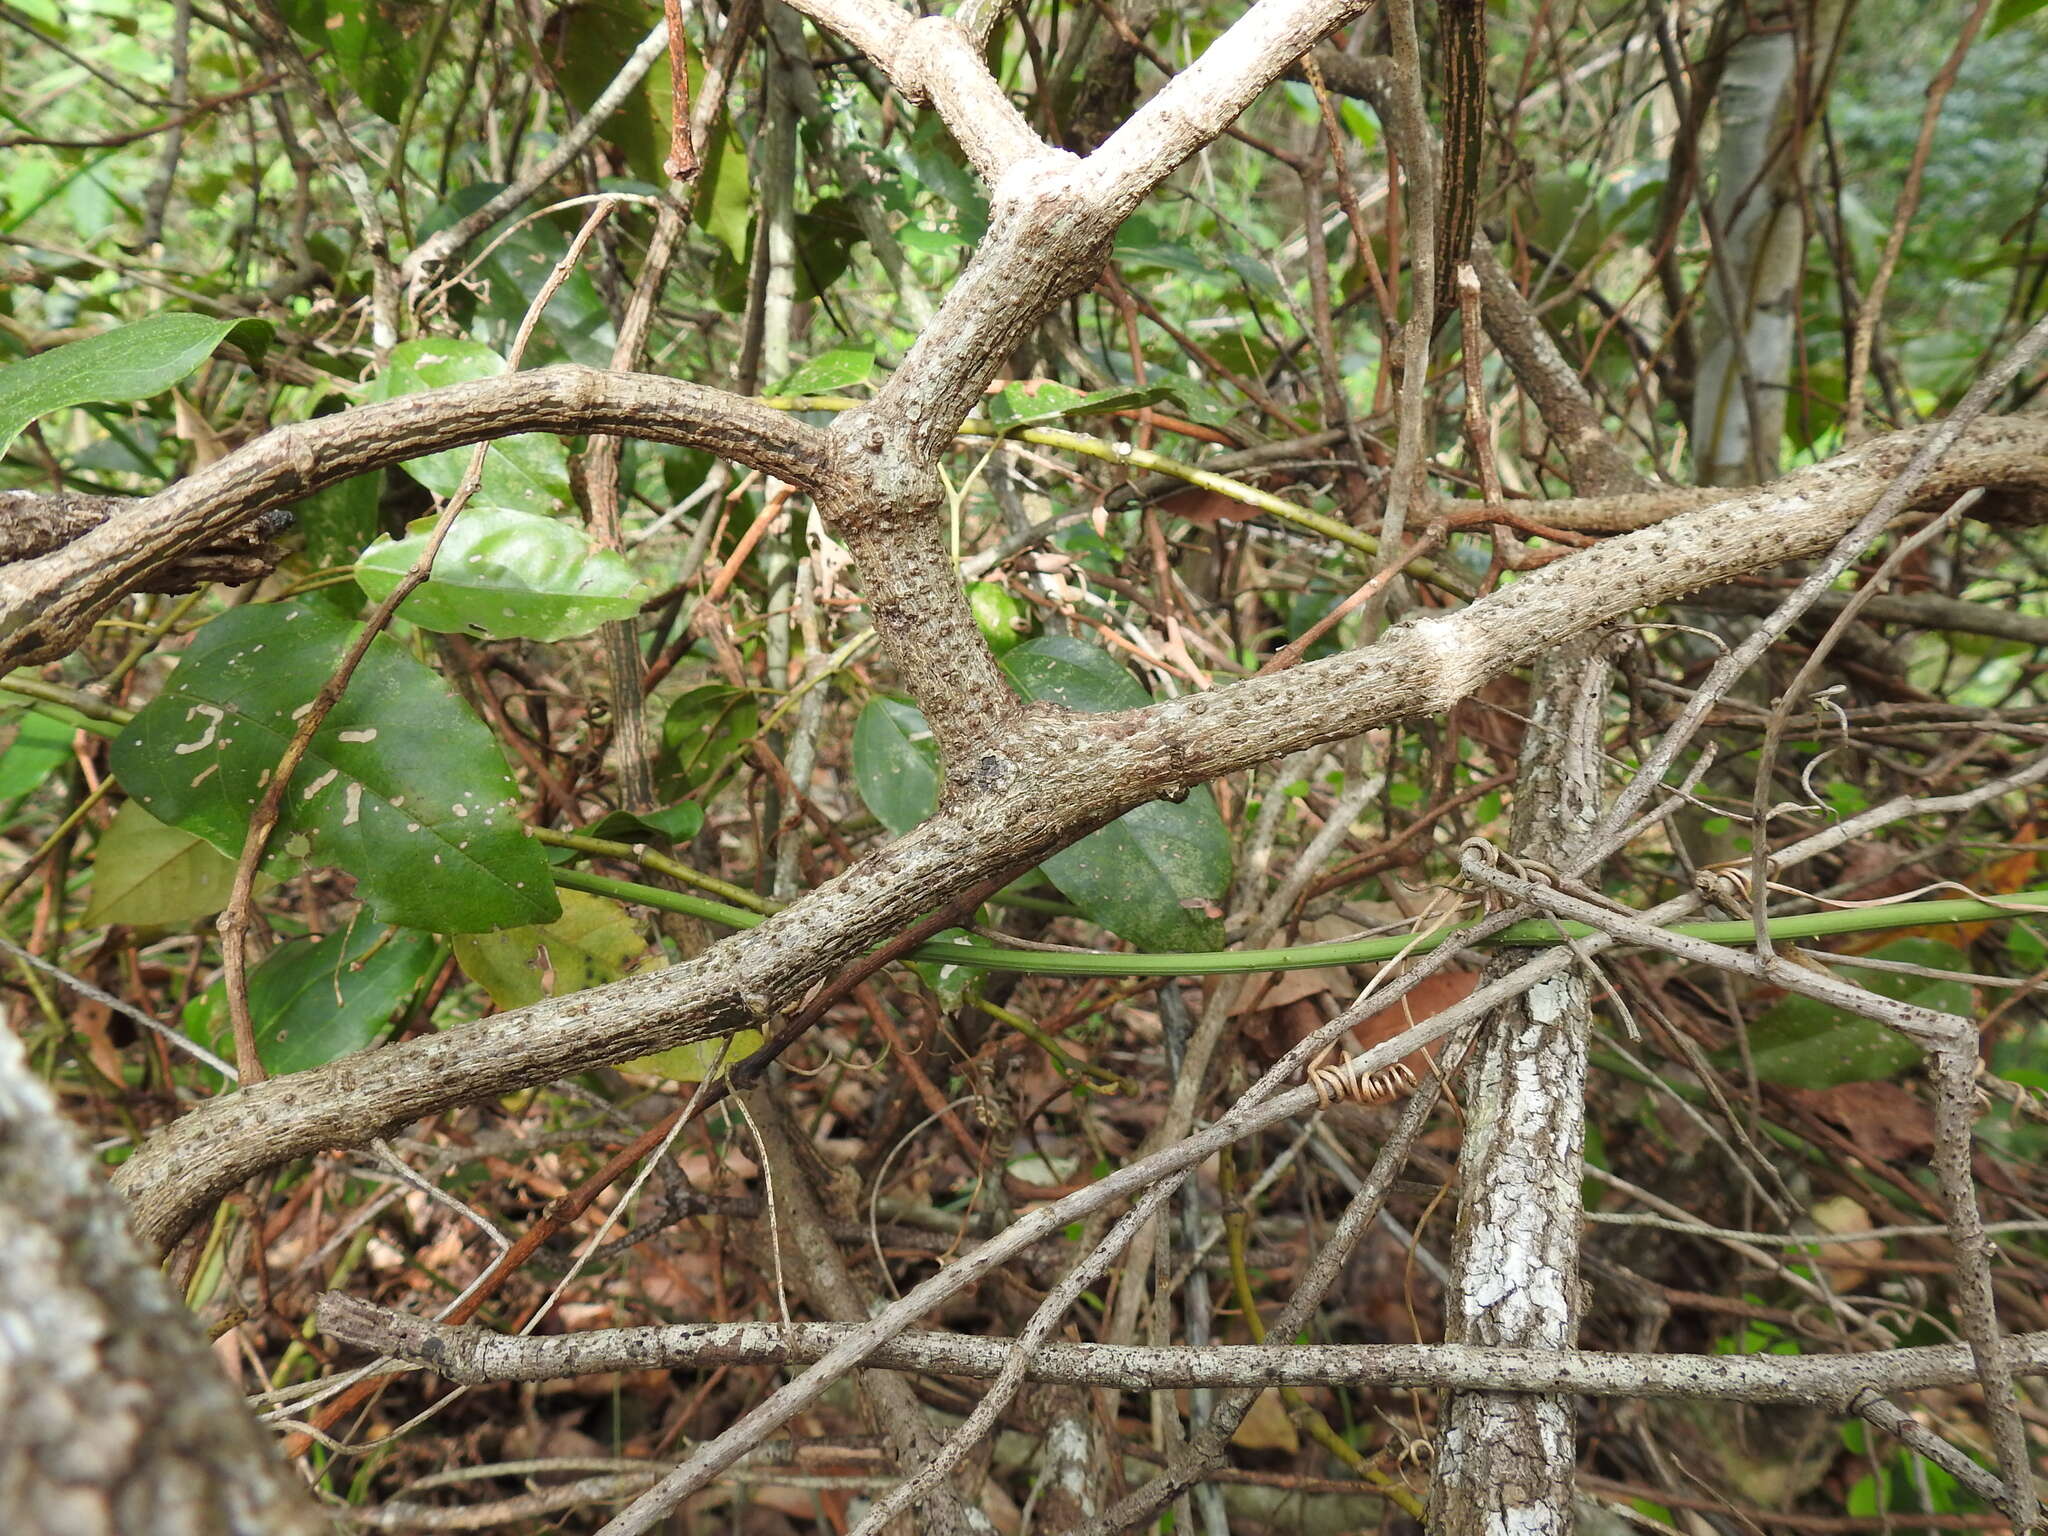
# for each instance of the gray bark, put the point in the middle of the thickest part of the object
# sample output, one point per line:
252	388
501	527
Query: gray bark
117	1421
1505	1461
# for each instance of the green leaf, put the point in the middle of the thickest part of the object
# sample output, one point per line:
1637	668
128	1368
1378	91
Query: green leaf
830	372
130	362
2011	13
339	521
1804	1043
725	198
521	474
315	999
506	576
151	875
704	729
367	42
999	614
519	255
666	827
827	232
594	941
40	747
403	787
1021	404
895	764
587	44
1157	875
1154	876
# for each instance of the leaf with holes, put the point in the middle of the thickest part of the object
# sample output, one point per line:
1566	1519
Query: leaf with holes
529	473
129	362
506	576
403	787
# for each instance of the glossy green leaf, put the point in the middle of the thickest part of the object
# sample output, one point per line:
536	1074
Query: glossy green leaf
830	372
1158	874
594	941
1022	404
895	764
521	474
151	875
339	522
506	576
315	999
40	747
1804	1043
704	729
129	362
2010	13
404	788
999	614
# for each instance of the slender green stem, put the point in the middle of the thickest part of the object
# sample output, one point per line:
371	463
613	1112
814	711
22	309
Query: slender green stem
989	957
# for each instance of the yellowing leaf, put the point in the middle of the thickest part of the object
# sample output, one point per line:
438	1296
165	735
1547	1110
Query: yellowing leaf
594	941
151	875
699	1059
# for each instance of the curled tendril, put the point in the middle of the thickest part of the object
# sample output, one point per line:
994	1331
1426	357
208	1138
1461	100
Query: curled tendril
1348	1082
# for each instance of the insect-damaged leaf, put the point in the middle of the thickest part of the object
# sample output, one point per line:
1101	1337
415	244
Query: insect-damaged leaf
403	787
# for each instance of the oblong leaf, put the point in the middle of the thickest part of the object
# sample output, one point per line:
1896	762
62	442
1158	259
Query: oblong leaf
129	362
404	788
1801	1042
895	764
841	368
147	873
529	473
704	729
506	575
318	998
1156	875
594	941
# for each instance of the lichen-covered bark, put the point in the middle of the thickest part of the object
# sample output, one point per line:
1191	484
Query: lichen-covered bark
117	1421
1505	1462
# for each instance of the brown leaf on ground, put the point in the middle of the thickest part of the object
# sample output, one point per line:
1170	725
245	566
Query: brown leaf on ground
1887	1124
